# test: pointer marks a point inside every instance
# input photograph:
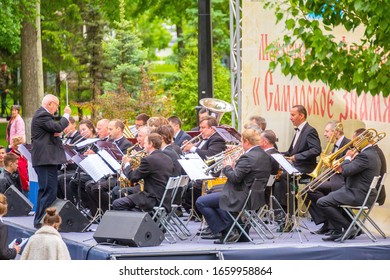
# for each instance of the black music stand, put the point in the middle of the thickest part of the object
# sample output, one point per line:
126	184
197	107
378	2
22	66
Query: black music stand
292	222
69	153
229	134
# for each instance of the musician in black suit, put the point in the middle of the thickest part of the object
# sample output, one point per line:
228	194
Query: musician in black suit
115	129
211	144
47	152
359	170
302	153
267	143
253	163
333	132
179	135
155	169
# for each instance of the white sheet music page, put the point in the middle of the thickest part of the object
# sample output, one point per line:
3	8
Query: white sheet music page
194	167
86	142
110	160
285	164
95	167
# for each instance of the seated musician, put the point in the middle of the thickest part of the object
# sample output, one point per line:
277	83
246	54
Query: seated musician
123	189
201	114
211	144
77	182
155	169
333	132
267	143
359	169
102	129
179	135
253	163
115	129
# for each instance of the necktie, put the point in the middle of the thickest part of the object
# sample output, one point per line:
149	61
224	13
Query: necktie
335	148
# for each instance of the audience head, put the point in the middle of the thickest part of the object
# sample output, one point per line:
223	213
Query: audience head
3	205
2	154
11	162
52	218
15	110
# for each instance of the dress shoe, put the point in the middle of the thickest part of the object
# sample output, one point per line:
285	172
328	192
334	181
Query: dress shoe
205	231
334	236
233	237
324	229
329	232
211	236
351	235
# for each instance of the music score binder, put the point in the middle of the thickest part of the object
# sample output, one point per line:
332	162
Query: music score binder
110	148
285	164
94	166
194	166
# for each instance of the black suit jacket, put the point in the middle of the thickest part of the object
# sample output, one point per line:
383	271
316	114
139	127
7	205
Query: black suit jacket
170	151
181	136
5	252
274	163
251	165
214	145
382	194
46	149
123	144
155	170
359	174
306	150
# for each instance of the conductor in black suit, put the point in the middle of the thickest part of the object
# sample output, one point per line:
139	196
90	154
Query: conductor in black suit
302	153
155	169
47	151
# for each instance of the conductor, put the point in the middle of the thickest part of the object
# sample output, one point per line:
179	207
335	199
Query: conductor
47	152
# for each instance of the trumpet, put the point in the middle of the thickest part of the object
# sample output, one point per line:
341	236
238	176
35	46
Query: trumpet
193	140
215	163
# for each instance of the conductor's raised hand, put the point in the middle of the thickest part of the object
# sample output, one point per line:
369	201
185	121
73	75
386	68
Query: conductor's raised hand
67	110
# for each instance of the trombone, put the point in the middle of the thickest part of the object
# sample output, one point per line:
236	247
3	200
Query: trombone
369	136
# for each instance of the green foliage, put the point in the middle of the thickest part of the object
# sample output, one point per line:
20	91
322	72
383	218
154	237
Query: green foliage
185	89
316	55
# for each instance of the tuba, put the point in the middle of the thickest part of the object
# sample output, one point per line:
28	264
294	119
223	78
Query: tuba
216	107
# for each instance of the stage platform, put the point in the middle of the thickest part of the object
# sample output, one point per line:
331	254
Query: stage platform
295	245
285	246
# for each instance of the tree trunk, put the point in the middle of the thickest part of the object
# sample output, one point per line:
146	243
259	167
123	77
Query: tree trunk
32	69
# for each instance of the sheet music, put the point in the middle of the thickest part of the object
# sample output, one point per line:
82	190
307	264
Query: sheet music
94	166
194	167
115	166
86	142
111	148
69	152
285	164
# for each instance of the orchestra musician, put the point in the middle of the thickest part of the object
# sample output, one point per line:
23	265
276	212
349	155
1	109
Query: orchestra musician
253	163
102	129
302	153
258	120
155	169
201	114
359	169
333	132
179	135
211	144
100	190
70	133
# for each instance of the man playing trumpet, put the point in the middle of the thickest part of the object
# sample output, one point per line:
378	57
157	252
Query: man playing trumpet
253	163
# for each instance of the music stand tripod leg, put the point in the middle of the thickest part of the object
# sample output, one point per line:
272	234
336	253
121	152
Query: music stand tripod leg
99	212
192	211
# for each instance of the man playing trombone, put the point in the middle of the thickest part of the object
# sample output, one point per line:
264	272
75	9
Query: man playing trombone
253	164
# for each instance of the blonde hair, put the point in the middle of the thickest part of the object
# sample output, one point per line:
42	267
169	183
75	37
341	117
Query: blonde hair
3	205
252	135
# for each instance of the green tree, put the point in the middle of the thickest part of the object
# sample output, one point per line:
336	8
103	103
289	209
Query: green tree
318	56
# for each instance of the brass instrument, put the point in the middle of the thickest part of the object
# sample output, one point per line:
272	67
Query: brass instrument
134	163
320	165
216	107
369	136
215	163
127	131
193	140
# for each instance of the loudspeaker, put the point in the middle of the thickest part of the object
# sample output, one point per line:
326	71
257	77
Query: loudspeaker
72	219
18	204
134	229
